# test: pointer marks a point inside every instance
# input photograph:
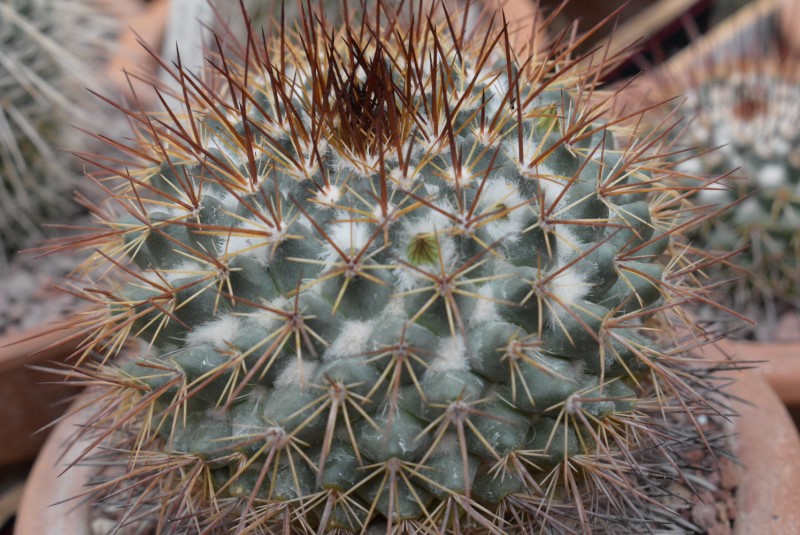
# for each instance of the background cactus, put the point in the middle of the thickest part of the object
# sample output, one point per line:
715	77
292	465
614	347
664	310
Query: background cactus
45	46
391	277
744	121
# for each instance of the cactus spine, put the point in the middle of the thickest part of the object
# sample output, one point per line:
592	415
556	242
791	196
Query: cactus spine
388	277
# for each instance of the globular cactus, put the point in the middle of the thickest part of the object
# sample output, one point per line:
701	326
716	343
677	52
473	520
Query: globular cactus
45	51
390	277
744	121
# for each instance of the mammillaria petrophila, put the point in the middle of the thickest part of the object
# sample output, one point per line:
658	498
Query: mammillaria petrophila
390	276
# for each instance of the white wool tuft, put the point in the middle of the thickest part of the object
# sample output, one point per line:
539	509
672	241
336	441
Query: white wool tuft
530	150
504	194
307	168
256	246
308	158
405	181
187	268
450	355
267	320
567	287
501	192
568	245
499	88
262	320
216	333
377	212
432	223
352	340
312	149
408	279
348	236
551	185
362	166
394	308
485	309
429	142
466	175
229	201
329	195
297	374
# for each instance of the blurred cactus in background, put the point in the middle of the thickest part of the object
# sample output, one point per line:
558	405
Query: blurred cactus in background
753	115
390	275
48	50
742	103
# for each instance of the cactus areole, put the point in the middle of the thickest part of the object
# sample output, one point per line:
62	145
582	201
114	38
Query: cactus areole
391	276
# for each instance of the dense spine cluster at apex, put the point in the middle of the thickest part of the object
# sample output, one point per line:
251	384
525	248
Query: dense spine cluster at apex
747	110
392	277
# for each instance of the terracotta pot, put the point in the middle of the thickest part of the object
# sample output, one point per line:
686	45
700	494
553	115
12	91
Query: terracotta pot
781	368
779	360
765	441
730	39
525	23
26	406
145	24
789	18
47	505
635	20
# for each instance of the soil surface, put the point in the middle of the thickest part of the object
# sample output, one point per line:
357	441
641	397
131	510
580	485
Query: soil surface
707	499
28	294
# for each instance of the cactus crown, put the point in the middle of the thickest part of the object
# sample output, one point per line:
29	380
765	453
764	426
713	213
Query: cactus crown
391	275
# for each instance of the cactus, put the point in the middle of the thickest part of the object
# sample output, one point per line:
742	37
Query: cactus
394	277
44	68
745	122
